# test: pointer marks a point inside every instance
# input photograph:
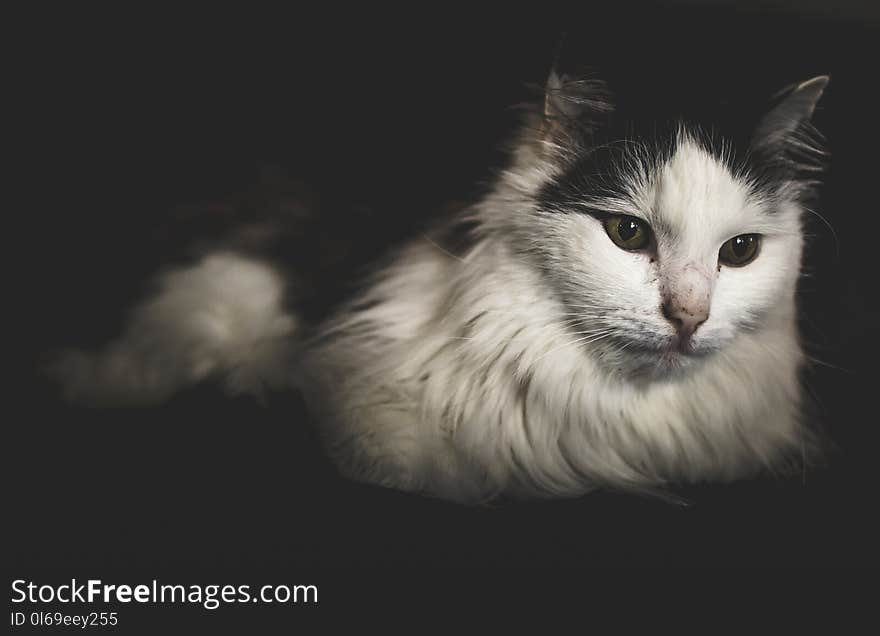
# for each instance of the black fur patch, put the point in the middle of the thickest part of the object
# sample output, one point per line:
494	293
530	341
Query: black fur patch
645	123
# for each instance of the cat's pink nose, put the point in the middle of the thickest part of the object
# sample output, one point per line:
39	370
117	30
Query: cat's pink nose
686	317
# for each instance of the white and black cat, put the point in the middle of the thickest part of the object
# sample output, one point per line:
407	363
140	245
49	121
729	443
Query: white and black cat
619	311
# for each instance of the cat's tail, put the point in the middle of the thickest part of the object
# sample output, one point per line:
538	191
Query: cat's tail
222	318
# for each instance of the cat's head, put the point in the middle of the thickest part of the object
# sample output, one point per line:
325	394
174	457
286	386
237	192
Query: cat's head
664	240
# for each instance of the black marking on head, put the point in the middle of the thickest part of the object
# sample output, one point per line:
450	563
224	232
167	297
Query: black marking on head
606	169
644	128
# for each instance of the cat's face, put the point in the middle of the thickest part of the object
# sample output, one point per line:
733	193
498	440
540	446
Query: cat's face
665	251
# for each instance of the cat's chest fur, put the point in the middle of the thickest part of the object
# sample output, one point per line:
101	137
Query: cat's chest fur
460	378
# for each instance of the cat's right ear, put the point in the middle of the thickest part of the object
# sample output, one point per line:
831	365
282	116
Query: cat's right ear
793	110
573	108
785	147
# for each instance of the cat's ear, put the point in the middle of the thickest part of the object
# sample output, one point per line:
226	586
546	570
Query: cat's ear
573	107
786	149
790	115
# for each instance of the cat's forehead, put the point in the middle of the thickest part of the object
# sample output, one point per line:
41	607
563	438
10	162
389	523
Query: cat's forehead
695	190
679	182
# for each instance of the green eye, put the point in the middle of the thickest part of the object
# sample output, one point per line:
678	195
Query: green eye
740	250
627	232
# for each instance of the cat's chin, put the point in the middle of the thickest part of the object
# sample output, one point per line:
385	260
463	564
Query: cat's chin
665	364
650	363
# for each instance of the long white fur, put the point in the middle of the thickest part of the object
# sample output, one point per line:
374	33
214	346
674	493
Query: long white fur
410	394
222	317
468	377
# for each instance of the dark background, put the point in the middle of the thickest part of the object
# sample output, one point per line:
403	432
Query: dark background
142	130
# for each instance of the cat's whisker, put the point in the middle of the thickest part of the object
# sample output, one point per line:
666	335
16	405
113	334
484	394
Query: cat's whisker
443	250
585	340
827	223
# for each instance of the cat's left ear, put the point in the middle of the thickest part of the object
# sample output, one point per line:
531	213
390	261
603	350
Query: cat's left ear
793	110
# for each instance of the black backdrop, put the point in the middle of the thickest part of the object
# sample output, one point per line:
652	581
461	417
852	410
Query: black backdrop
383	118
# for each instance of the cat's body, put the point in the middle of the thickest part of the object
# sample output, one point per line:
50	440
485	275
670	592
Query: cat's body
545	353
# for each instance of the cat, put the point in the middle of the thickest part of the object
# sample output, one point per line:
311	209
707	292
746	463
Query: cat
617	312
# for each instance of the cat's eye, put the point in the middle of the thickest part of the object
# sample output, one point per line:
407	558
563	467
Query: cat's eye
740	250
628	232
